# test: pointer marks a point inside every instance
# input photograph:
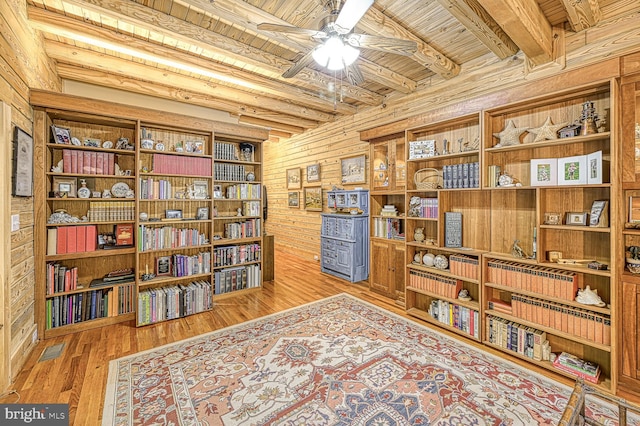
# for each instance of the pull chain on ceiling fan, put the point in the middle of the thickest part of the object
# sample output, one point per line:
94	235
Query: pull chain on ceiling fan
339	49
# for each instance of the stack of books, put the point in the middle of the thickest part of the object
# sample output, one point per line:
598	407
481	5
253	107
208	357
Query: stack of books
579	367
389	210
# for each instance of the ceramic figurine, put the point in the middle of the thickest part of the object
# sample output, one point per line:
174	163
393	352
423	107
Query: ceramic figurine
418	235
464	295
587	296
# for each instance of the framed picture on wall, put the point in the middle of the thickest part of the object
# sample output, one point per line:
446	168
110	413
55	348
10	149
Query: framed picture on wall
313	173
313	198
293	178
22	163
294	200
353	169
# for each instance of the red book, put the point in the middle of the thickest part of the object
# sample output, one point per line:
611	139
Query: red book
94	163
62	240
66	161
80	168
72	235
111	163
124	234
92	238
100	163
81	239
74	161
86	168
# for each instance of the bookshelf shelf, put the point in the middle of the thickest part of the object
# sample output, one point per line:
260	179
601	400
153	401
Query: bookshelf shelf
428	318
89	254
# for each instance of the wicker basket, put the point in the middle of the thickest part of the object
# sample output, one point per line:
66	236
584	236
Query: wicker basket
428	179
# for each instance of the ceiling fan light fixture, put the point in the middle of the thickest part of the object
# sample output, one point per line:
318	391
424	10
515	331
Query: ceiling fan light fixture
351	13
335	55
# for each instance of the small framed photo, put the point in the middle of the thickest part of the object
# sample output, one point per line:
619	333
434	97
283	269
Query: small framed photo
572	170
61	134
594	168
202	213
293	178
173	214
65	185
200	189
163	265
294	200
599	216
544	172
313	173
552	218
313	199
22	178
577	218
353	169
198	147
217	191
422	149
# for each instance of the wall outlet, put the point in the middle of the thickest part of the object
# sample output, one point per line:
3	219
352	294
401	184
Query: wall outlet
15	222
34	336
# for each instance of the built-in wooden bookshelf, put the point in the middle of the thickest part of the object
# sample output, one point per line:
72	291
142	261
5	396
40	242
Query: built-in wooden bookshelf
138	242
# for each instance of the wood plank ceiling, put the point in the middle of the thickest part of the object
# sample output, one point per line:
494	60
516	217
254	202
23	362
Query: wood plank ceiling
211	52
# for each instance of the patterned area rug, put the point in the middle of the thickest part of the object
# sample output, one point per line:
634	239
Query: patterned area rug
339	361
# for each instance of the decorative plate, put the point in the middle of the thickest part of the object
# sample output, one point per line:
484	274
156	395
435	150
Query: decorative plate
441	262
159	146
107	144
146	144
119	189
75	141
428	259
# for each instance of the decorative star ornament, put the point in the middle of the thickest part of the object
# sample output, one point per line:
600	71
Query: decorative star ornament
510	135
547	131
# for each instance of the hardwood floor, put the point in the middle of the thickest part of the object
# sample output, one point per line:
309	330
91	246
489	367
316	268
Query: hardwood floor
78	376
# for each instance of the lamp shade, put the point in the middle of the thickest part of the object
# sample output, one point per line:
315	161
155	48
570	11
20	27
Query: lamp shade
335	55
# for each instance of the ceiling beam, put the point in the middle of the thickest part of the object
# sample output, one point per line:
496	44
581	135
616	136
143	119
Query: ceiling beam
482	26
247	16
582	14
285	131
78	30
376	22
224	49
526	25
172	89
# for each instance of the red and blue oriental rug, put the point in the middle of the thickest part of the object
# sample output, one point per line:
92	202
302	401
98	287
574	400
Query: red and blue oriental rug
339	361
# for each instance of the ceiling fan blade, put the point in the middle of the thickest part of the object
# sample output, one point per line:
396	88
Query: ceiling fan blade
350	14
292	30
383	44
299	65
354	75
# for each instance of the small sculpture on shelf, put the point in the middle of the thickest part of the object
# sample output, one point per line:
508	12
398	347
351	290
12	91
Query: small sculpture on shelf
464	295
510	135
418	235
548	131
587	296
588	119
517	251
633	259
61	216
58	168
472	146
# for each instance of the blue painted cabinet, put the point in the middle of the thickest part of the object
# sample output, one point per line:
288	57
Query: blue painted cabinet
345	235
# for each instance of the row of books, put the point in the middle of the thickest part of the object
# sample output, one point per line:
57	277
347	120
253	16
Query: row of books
386	227
587	324
226	171
71	239
234	255
500	305
570	363
246	229
251	208
92	304
88	162
181	165
168	237
493	175
460	317
427	208
184	265
464	266
225	151
61	278
111	211
435	284
177	301
526	341
236	278
152	189
552	282
465	175
243	191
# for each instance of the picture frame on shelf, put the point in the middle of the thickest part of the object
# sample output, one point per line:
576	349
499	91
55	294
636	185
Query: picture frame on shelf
577	218
293	178
552	218
544	172
65	185
293	200
313	198
353	169
634	209
202	213
572	170
594	168
22	176
61	135
200	189
313	173
422	149
599	216
247	152
217	191
163	266
173	214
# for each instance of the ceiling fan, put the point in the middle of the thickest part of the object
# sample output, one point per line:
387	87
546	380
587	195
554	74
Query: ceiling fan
339	48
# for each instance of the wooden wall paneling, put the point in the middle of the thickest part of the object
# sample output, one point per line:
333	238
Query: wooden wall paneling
5	244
